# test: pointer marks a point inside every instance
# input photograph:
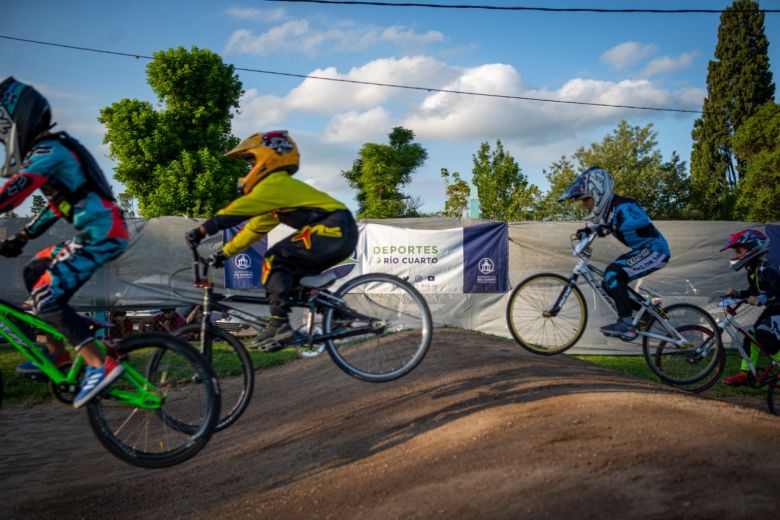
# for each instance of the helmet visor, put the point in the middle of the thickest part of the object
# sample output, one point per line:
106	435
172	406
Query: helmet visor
576	190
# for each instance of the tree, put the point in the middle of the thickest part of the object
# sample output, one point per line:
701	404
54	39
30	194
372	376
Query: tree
381	170
38	204
457	194
171	158
504	192
738	83
127	203
631	155
560	176
758	141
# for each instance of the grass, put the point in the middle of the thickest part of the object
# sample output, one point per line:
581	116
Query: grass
20	391
636	366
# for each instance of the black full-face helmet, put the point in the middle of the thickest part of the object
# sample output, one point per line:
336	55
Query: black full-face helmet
24	115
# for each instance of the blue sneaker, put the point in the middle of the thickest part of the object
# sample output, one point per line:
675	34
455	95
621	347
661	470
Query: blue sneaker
96	380
28	368
623	329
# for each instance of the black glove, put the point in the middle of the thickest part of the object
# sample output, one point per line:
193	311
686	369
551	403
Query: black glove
584	233
217	260
194	236
604	230
13	245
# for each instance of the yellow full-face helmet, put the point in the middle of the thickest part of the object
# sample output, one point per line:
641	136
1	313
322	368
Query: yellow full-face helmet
266	153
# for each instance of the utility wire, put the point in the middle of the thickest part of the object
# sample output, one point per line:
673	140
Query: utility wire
518	8
371	83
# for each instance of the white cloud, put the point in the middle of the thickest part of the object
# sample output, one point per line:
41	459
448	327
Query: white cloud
254	14
667	64
354	126
628	53
298	35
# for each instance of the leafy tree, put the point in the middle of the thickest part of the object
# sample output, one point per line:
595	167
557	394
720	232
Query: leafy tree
631	155
504	192
171	158
127	204
10	214
758	141
560	176
457	194
38	204
738	83
379	173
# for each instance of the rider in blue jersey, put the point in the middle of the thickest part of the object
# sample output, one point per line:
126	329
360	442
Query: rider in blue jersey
78	192
623	217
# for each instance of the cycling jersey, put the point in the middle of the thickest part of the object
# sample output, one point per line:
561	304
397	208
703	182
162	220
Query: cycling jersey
764	284
631	226
278	198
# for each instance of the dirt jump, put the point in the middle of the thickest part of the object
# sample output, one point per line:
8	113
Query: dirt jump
480	429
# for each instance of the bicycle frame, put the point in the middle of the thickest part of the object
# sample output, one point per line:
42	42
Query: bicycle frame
593	275
737	331
145	397
315	301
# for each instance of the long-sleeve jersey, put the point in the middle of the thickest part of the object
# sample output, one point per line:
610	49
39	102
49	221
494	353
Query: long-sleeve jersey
277	198
631	226
764	284
59	173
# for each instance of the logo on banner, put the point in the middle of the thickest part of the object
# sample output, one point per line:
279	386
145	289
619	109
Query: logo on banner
243	261
486	266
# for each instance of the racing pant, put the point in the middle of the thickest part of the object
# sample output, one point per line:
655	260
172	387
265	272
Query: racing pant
766	331
630	266
57	272
313	248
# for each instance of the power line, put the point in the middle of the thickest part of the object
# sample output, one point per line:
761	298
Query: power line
519	8
371	83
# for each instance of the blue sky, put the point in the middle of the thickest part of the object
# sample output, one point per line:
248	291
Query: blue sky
630	59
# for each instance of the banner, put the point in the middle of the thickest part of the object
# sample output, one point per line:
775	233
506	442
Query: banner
473	259
244	270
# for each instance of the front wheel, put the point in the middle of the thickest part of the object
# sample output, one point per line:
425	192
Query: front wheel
232	365
395	322
689	365
546	314
166	384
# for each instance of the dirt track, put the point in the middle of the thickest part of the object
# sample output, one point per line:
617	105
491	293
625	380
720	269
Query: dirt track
479	430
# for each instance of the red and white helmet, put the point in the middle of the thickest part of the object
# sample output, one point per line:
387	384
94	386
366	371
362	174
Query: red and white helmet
754	240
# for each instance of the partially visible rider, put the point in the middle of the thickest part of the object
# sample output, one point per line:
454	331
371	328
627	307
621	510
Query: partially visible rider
611	214
78	192
269	195
751	247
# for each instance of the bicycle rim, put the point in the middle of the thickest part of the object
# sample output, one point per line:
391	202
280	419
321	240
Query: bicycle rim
402	328
181	426
533	326
685	365
232	366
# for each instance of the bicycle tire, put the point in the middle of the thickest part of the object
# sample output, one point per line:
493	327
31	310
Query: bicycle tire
707	383
683	367
232	366
773	387
397	347
529	321
144	437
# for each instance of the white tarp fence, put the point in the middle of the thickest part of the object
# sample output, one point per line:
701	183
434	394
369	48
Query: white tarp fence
142	277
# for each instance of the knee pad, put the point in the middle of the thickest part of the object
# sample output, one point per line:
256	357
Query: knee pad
33	272
767	339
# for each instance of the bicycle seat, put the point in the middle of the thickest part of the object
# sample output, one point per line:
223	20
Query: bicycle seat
319	281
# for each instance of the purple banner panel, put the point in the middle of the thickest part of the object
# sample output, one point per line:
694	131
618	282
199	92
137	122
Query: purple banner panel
486	258
245	270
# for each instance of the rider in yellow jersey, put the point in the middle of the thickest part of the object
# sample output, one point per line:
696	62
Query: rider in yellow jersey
326	231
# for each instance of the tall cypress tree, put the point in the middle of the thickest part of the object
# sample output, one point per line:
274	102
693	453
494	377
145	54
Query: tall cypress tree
738	83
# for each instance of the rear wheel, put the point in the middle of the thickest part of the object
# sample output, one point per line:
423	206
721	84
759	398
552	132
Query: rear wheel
772	395
396	324
154	436
697	363
534	324
232	365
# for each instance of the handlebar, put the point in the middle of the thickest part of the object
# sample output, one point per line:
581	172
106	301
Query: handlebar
582	245
200	269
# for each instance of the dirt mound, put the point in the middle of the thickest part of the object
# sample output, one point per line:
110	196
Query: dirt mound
479	430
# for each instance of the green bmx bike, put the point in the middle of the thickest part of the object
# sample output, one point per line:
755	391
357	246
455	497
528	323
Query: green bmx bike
159	413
